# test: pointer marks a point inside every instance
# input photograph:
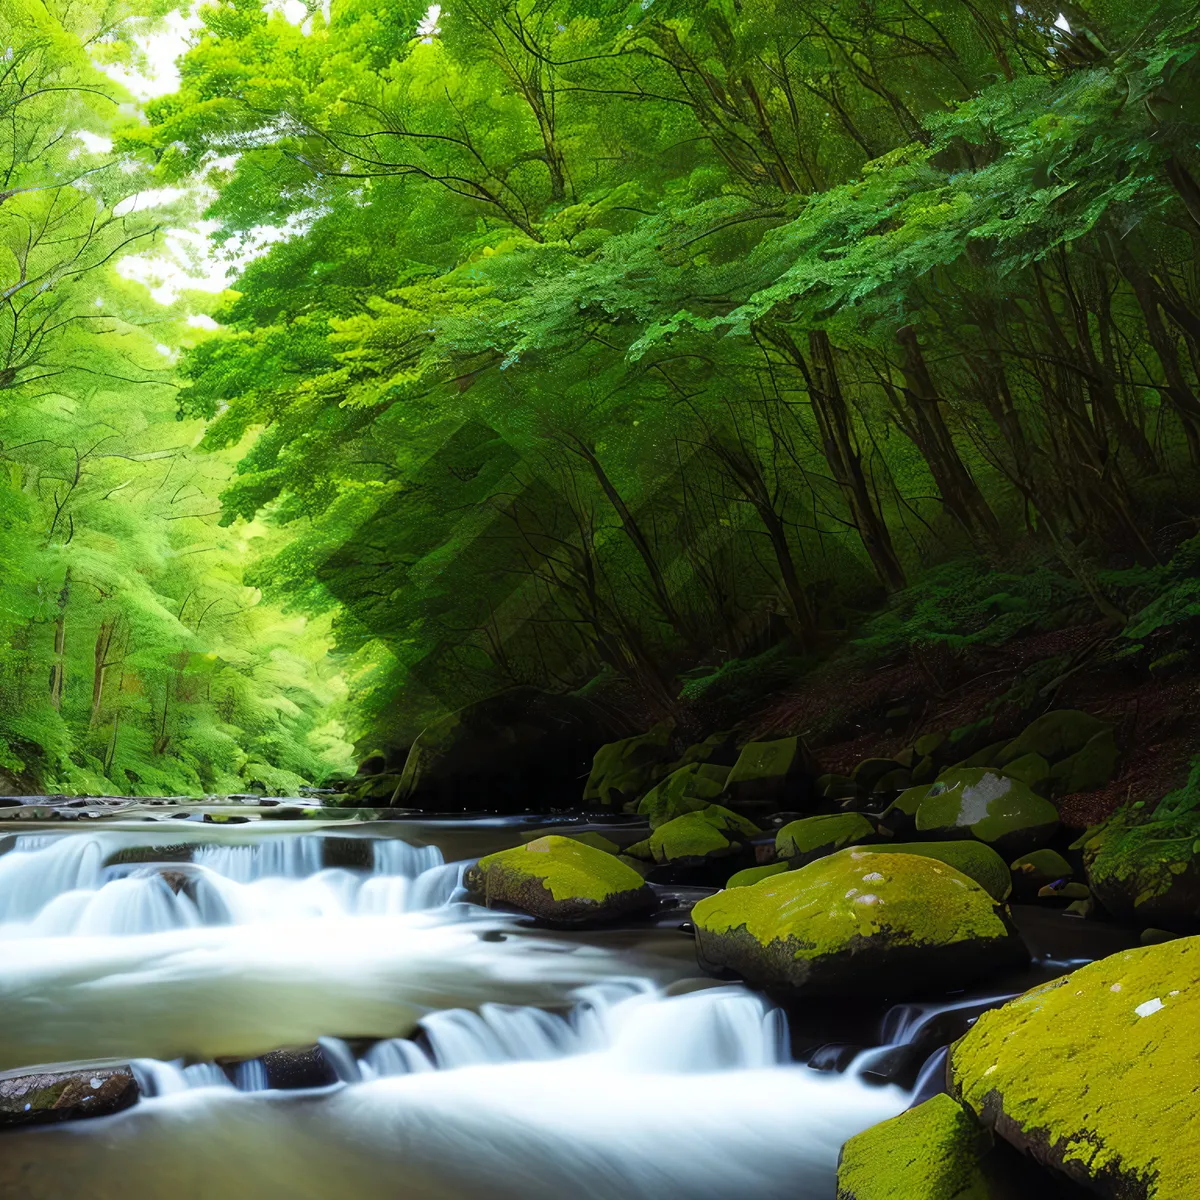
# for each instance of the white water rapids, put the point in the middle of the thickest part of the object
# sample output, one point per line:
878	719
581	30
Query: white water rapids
474	1054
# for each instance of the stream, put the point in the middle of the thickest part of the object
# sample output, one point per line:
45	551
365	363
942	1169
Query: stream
465	1052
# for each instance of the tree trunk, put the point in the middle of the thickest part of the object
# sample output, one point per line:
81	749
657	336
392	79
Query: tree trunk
58	669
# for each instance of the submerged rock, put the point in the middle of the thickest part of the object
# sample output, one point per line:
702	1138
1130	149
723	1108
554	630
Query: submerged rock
1096	1073
975	859
813	837
976	802
858	923
560	881
40	1098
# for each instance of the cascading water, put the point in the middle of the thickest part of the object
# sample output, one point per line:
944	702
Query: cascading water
465	1052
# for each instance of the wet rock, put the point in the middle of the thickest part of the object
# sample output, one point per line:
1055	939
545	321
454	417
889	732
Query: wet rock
980	803
1034	871
348	853
749	875
858	923
33	1098
377	788
1095	1074
767	775
298	1067
624	770
176	852
1064	892
900	817
695	838
974	859
685	790
813	837
560	881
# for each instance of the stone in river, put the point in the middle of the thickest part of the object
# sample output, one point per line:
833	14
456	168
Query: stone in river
38	1098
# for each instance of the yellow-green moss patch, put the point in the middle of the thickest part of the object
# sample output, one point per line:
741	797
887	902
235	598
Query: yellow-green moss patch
813	836
989	806
711	831
754	874
975	859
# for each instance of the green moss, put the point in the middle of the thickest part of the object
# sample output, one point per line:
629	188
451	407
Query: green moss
1032	770
931	1152
754	874
1089	768
1100	1069
821	908
1150	870
712	830
624	770
1054	736
975	859
908	801
763	768
822	835
990	806
685	790
566	868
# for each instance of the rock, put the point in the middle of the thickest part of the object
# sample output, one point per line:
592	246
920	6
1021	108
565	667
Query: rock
690	840
980	803
1156	937
720	749
624	770
561	882
886	786
929	744
1032	770
972	858
749	875
901	815
1054	736
936	1151
685	790
1096	1073
376	789
813	837
373	764
985	757
38	1098
520	749
767	774
176	852
347	853
872	769
1080	908
1089	768
858	923
925	771
1147	874
298	1067
1034	871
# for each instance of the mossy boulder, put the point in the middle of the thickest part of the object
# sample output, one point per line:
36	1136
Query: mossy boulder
858	923
936	1151
749	875
767	775
929	744
692	839
1032	770
379	788
720	749
1032	872
589	838
1148	873
685	790
900	817
972	858
871	770
813	837
1096	1073
976	802
560	881
1054	736
624	770
1091	767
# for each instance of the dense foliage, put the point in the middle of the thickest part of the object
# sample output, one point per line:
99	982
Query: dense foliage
134	657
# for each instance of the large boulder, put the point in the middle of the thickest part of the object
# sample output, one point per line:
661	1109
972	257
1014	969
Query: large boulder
561	882
39	1098
522	749
972	858
768	775
695	838
813	837
1096	1073
976	802
1054	735
1148	873
936	1151
685	790
858	923
624	770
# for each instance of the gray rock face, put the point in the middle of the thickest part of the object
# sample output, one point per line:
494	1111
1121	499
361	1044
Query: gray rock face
42	1098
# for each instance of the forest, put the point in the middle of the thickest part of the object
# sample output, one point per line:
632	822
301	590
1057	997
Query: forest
615	349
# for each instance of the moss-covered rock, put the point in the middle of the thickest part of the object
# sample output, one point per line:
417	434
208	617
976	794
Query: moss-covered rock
858	923
720	749
44	1097
624	770
1091	767
1148	873
1032	872
589	838
929	744
871	770
900	817
1097	1073
767	774
560	881
813	837
972	858
936	1151
983	804
751	875
685	790
689	840
1054	736
1032	770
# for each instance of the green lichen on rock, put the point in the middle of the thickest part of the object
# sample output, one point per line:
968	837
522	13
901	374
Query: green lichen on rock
710	832
972	858
751	875
685	790
857	922
766	771
1032	770
1054	736
976	802
1090	767
811	837
624	770
1097	1073
932	1152
560	880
